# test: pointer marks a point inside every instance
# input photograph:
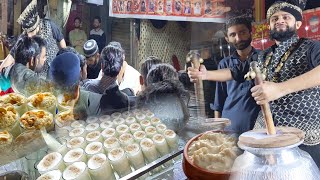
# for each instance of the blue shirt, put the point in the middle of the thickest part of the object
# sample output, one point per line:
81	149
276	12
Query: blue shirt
233	98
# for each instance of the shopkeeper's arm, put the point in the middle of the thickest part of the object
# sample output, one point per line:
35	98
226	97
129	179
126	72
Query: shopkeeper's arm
7	62
57	35
221	75
62	44
214	75
269	91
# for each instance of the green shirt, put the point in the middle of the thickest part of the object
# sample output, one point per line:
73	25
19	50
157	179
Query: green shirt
77	39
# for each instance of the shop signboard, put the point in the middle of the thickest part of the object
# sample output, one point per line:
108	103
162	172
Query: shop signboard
175	10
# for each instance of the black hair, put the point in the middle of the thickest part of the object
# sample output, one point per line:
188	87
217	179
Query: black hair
148	63
40	41
77	18
162	79
28	48
237	20
97	18
116	44
161	72
112	58
74	51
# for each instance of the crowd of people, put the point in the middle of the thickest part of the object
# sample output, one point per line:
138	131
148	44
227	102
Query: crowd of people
94	74
67	74
162	91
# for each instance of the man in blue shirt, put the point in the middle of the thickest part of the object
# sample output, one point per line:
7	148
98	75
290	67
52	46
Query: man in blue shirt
233	99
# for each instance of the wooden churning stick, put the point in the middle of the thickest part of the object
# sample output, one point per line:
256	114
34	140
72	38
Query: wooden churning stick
265	107
195	59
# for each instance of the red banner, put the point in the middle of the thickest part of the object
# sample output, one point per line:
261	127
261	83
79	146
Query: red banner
310	27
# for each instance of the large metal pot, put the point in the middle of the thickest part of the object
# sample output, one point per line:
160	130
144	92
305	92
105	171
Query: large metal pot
284	163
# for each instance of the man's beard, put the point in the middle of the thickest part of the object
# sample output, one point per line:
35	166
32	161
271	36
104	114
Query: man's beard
282	35
77	27
93	65
242	44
